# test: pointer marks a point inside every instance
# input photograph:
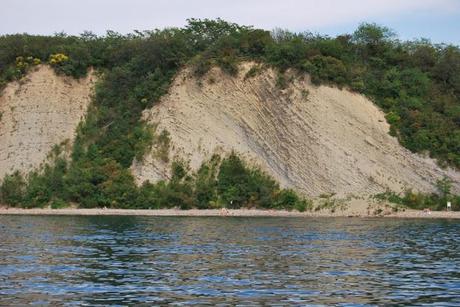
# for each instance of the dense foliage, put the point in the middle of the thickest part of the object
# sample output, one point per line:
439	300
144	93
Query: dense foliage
226	182
416	83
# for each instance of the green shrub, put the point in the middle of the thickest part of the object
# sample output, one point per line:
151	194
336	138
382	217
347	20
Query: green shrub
328	69
281	81
289	200
206	183
58	204
12	189
252	72
303	205
162	142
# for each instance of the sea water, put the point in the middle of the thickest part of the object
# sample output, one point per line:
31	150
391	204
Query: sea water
114	260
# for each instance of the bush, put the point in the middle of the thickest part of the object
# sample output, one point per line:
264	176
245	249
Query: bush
206	183
232	182
326	68
12	190
287	199
58	204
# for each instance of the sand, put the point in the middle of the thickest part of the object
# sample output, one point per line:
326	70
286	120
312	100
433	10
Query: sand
315	139
217	212
227	213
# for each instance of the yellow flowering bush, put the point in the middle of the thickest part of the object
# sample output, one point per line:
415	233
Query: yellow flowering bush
64	64
58	58
23	63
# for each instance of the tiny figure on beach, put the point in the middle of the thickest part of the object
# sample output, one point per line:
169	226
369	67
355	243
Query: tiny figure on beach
427	210
224	211
449	206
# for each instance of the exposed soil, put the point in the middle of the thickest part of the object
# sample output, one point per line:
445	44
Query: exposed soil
38	112
316	139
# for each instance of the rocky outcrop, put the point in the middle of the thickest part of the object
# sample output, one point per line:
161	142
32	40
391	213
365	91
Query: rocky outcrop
314	139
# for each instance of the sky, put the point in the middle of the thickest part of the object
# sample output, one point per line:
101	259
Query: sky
437	20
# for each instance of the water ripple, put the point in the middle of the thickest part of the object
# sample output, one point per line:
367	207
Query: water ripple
227	261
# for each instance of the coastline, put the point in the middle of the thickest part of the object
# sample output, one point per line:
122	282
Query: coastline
223	213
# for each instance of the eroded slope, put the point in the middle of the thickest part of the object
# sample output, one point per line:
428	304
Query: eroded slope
38	112
314	139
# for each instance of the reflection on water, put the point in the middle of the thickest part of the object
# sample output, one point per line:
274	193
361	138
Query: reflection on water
215	260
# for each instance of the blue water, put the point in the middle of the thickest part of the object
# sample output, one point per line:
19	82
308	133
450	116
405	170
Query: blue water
227	261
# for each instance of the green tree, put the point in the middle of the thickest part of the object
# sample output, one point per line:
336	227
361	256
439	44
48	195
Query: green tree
12	189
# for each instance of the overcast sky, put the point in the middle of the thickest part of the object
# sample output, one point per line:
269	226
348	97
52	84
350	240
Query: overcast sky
438	20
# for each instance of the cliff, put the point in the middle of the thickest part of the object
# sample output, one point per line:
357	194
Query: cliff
39	111
315	139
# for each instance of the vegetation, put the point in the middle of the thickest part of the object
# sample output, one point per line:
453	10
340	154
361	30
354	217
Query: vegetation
227	182
416	83
434	201
12	189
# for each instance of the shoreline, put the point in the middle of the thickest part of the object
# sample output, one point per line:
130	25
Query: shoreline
223	213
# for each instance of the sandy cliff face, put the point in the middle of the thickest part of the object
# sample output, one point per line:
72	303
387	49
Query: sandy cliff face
314	139
38	112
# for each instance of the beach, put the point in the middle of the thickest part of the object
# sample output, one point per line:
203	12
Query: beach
227	213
